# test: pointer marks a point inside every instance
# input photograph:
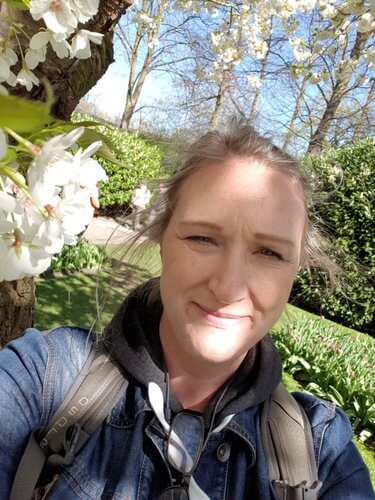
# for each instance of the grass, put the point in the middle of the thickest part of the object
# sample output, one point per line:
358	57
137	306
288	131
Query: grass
91	300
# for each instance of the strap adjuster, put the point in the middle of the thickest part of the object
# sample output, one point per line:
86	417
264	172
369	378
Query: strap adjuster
299	492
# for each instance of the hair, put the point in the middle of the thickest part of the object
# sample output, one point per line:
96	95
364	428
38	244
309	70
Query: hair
239	140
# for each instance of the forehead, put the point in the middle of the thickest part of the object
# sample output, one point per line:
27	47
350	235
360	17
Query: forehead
244	190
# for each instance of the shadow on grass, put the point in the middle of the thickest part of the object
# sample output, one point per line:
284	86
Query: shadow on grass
86	300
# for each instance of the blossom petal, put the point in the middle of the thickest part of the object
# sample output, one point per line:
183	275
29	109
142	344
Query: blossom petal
10	203
40	40
3	144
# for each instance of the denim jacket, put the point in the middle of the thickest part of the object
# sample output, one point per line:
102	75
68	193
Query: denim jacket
125	459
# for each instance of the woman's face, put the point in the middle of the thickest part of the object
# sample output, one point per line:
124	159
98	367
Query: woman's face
229	255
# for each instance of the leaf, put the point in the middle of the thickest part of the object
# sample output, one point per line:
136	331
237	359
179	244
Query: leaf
19	4
23	116
105	151
14	175
10	157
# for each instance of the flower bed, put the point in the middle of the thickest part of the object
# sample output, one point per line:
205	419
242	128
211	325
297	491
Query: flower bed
332	364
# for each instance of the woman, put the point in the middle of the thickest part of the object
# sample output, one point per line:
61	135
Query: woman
233	234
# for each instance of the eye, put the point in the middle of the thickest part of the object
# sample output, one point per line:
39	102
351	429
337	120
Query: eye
202	240
267	252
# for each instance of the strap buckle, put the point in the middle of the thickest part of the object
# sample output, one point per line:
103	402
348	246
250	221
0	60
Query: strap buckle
299	492
72	435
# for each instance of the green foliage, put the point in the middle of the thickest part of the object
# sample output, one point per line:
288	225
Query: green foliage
348	217
19	4
83	255
136	159
23	116
333	365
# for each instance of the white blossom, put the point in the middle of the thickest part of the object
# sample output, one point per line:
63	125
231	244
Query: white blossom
81	43
3	144
58	43
34	57
56	14
301	52
7	59
366	23
20	259
84	9
254	81
27	78
52	168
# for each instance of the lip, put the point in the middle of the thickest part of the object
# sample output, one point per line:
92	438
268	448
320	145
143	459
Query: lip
218	319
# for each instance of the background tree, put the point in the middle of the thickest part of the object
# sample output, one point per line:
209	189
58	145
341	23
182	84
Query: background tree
70	80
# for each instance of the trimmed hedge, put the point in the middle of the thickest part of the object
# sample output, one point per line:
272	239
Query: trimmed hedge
348	217
136	159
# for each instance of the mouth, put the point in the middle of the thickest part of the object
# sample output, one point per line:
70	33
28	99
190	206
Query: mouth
218	319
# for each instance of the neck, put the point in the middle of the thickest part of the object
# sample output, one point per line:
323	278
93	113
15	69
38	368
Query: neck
195	385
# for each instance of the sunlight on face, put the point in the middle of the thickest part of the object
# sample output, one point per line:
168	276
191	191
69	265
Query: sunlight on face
229	254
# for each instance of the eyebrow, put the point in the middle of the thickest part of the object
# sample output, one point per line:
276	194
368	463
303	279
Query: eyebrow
210	225
274	237
217	227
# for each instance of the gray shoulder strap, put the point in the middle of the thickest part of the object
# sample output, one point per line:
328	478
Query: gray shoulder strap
288	445
95	392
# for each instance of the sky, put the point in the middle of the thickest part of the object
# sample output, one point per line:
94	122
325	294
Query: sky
109	93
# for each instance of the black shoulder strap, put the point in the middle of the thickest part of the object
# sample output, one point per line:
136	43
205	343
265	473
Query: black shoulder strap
288	445
95	392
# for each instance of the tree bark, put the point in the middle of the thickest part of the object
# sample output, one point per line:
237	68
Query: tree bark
296	112
136	82
360	125
70	80
338	92
17	306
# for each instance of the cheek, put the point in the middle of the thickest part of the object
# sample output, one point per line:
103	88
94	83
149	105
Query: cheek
273	289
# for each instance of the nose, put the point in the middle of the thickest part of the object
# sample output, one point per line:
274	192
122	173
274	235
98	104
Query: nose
229	281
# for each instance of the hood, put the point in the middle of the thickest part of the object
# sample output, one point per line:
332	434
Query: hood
132	338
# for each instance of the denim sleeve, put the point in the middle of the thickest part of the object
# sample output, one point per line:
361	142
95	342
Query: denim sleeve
22	404
36	372
341	467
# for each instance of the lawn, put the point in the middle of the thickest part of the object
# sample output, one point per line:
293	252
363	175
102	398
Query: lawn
90	300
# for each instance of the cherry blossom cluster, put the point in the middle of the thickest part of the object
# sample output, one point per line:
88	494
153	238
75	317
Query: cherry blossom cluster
245	28
62	32
48	209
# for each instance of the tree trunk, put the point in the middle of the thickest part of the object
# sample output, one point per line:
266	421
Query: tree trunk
360	125
17	305
220	96
135	83
296	113
254	104
339	90
70	80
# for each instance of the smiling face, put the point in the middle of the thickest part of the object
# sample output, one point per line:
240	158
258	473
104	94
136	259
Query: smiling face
229	254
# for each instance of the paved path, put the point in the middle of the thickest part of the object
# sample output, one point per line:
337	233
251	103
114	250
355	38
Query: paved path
106	230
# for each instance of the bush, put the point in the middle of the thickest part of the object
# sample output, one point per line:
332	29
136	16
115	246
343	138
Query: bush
83	255
348	218
332	364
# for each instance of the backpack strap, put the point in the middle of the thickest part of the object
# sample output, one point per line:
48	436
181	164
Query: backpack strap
95	392
288	446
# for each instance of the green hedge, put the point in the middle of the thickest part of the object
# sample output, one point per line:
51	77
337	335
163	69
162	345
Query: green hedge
348	217
137	159
83	255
